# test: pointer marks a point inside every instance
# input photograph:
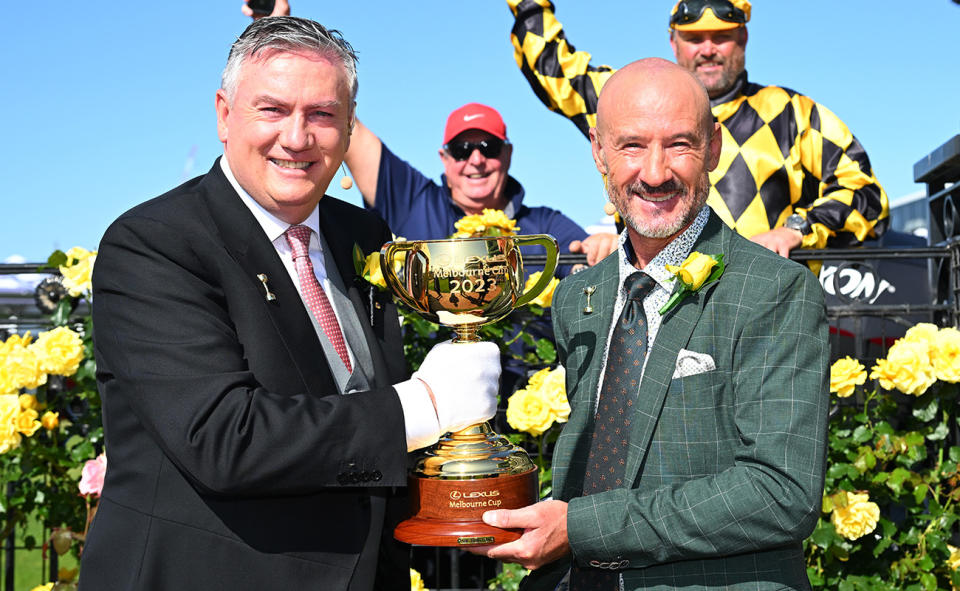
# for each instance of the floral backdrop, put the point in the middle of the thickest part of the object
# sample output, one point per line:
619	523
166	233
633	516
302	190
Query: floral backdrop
889	514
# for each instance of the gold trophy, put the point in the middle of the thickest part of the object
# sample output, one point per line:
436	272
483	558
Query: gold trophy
465	283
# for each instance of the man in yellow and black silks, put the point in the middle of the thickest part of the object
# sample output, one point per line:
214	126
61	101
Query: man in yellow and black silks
791	174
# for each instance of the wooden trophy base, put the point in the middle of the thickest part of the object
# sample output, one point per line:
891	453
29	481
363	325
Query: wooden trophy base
449	512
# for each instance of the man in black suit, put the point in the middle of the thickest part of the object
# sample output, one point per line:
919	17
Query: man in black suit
256	410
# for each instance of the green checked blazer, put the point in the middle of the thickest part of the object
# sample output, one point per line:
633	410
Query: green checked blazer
725	468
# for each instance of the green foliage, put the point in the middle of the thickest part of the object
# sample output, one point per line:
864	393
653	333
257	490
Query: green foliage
890	446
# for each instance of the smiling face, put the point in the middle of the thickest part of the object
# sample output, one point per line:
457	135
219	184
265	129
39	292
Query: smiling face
478	182
286	129
653	141
717	58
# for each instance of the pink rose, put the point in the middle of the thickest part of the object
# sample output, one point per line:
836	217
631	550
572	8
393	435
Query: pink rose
91	480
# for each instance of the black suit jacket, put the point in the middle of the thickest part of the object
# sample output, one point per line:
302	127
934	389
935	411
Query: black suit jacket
234	463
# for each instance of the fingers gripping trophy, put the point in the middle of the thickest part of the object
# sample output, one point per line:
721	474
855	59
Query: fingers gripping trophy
465	283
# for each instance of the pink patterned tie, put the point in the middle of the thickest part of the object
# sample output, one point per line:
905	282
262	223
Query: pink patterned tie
299	239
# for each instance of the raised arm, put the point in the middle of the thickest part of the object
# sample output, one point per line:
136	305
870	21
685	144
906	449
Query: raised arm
363	160
561	76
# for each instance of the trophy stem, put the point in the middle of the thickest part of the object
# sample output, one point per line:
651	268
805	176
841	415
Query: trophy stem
466	333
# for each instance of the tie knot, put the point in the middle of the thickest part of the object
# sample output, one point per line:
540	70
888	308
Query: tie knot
639	285
298	237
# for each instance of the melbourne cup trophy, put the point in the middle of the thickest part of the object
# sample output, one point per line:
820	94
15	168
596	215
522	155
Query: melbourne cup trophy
465	283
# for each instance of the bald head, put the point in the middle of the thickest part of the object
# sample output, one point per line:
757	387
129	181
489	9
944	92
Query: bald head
654	83
655	142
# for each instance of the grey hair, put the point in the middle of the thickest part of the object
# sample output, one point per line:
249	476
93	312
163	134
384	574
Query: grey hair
287	33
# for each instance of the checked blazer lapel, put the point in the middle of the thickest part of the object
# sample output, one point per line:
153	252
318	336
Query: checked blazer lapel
244	239
573	445
673	335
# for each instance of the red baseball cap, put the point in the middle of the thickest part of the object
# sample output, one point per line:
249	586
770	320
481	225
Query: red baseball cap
474	116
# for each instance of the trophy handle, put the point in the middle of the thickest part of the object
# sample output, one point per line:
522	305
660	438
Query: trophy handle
387	254
553	251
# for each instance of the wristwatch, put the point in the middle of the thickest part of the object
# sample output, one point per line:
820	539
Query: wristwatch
797	222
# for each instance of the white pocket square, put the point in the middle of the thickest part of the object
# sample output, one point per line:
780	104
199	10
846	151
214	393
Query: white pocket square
690	363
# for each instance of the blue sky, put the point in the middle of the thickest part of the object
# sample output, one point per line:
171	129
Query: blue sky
111	107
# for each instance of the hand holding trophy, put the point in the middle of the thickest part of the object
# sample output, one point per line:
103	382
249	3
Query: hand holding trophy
465	283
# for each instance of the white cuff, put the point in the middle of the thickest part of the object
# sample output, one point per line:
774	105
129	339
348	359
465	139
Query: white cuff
419	415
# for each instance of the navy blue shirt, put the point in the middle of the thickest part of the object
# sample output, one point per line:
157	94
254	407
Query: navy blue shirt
417	208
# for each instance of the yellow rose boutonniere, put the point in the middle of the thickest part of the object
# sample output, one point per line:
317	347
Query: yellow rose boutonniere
368	266
696	271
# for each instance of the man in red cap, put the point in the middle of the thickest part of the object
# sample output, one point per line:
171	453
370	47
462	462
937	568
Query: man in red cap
790	174
476	162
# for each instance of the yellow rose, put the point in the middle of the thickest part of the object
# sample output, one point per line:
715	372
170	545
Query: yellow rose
858	518
845	375
78	270
945	355
416	581
20	368
27	423
551	384
60	351
954	561
484	223
50	420
922	333
371	270
694	270
46	587
9	411
28	401
907	368
546	296
529	411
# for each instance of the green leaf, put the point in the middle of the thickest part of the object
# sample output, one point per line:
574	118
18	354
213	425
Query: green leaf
824	535
928	579
56	259
954	453
862	434
920	493
546	351
939	432
926	410
358	260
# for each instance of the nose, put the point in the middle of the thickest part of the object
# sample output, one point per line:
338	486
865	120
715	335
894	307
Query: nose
295	134
476	158
654	167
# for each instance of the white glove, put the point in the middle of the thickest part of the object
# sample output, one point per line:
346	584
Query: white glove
463	378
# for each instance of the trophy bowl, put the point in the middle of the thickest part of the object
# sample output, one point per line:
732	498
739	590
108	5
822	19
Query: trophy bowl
465	283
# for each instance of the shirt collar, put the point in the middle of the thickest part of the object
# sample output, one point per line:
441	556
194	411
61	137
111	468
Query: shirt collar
272	226
673	253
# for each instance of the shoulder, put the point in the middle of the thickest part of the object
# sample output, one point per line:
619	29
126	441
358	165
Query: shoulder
753	269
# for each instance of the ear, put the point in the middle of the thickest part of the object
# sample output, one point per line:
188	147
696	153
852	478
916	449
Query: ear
506	155
599	158
223	110
673	43
716	143
743	36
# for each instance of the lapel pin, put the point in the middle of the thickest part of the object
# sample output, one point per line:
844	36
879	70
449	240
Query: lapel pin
269	294
588	291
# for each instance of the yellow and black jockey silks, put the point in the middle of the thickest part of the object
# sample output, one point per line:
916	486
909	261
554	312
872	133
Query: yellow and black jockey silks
782	152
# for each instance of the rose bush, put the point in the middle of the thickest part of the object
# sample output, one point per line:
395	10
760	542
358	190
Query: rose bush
50	419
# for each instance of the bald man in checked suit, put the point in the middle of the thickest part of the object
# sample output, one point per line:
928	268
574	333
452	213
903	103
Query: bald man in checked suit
714	475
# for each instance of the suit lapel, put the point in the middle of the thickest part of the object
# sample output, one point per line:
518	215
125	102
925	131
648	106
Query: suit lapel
673	335
244	239
574	443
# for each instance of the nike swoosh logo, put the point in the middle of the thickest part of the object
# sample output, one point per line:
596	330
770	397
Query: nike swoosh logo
472	117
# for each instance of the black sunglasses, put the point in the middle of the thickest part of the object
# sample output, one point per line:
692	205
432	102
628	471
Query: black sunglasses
690	11
460	151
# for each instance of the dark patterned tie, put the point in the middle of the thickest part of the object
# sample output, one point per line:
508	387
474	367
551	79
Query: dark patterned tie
607	461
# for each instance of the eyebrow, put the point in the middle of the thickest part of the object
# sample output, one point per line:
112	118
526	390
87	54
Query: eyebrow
266	98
